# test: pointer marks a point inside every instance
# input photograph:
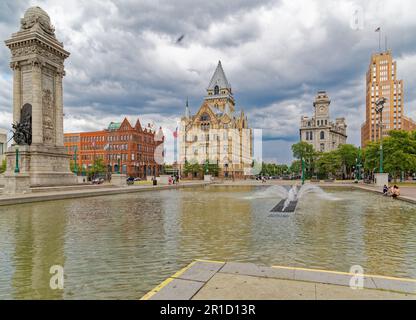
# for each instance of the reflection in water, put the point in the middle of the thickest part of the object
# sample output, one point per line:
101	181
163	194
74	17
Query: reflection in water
122	246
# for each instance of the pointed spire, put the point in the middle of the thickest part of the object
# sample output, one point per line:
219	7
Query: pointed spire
219	79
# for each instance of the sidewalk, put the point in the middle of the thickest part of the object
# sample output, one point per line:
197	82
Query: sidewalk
88	191
408	193
216	280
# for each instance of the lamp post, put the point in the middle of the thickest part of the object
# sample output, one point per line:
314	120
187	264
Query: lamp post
118	164
75	160
303	170
379	110
358	166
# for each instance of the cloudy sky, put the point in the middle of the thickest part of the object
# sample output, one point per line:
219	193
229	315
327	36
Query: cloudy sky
125	59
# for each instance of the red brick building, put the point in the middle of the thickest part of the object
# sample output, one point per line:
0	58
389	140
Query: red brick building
130	148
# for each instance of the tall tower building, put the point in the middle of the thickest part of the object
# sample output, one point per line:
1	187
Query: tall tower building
381	81
217	133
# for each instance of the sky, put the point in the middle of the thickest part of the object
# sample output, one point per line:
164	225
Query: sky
126	61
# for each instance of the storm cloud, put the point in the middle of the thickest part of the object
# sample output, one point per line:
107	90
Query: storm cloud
126	60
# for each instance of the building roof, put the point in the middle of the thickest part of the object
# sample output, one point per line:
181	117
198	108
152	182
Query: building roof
114	126
219	79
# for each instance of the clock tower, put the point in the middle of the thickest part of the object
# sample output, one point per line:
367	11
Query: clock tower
321	105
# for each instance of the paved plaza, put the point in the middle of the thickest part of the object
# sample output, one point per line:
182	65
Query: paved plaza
207	280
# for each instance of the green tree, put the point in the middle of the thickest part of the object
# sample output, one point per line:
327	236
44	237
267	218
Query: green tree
305	151
97	168
399	153
329	163
193	168
296	167
398	162
348	154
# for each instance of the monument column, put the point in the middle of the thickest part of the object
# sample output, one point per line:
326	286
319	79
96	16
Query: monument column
38	107
17	94
37	112
59	119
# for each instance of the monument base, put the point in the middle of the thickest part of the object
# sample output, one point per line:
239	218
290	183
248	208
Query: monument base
119	180
207	178
381	179
18	183
45	165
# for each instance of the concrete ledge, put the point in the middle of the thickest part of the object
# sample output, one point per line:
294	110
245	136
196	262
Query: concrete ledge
100	191
245	281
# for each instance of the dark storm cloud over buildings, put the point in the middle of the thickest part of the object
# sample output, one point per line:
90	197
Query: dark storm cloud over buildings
125	59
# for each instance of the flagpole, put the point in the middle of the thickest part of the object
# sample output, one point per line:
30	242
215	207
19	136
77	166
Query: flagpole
379	40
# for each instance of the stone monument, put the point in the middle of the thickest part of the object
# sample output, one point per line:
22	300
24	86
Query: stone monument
38	156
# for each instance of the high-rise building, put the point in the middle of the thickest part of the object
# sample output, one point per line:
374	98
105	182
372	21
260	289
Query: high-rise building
319	131
381	81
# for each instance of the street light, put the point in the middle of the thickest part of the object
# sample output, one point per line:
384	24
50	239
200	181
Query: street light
118	163
379	110
303	170
75	160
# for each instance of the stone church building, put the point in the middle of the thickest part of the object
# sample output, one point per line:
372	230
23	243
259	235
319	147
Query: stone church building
319	131
217	133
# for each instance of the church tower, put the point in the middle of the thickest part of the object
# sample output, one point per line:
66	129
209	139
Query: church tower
219	93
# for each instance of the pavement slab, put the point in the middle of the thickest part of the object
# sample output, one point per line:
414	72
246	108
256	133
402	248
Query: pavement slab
205	280
241	287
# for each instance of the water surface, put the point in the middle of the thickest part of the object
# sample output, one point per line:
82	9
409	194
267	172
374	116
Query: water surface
122	246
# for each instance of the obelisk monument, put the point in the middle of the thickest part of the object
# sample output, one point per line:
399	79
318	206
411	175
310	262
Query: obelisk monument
38	69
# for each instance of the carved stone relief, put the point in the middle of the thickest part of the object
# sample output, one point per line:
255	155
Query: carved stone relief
48	116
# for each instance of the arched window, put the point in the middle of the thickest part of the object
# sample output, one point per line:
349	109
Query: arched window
205	117
216	90
322	135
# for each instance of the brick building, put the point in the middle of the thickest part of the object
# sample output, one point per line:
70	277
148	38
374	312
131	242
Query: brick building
121	144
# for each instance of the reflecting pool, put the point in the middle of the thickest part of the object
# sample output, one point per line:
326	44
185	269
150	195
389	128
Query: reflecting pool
122	246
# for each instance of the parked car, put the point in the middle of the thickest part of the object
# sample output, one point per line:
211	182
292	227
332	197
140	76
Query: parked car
137	179
130	180
98	181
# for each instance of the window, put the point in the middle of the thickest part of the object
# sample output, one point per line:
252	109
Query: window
322	147
322	135
205	117
216	90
